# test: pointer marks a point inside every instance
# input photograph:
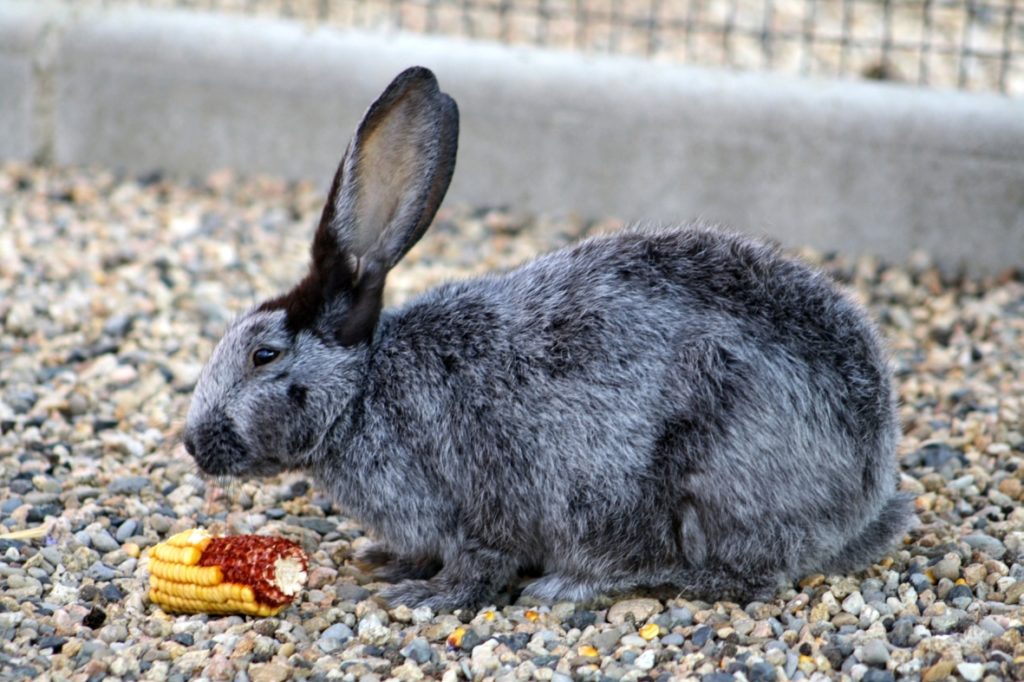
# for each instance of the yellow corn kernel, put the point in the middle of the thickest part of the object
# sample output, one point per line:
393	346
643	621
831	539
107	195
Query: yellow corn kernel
455	639
649	631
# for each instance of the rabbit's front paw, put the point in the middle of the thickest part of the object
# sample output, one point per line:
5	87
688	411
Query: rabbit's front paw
434	594
407	568
379	560
371	556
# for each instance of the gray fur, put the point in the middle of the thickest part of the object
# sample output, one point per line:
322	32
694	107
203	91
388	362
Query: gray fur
683	407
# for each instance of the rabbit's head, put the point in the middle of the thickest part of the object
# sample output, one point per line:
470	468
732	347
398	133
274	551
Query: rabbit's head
286	371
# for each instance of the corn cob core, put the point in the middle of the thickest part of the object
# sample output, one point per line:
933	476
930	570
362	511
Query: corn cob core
257	575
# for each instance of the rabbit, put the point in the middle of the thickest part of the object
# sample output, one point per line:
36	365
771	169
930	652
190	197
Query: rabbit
685	408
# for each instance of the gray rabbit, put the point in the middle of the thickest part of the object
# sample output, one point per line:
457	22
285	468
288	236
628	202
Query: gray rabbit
681	407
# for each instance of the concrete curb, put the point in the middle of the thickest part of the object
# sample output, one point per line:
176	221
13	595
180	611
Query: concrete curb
857	167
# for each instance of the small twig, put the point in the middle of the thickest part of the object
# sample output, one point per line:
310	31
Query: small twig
27	534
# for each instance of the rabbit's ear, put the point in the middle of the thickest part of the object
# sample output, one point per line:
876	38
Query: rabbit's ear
386	191
395	172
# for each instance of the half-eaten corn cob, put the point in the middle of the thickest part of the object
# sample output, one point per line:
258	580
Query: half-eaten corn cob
257	575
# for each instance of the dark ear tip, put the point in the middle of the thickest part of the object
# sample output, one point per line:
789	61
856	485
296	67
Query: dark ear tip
419	75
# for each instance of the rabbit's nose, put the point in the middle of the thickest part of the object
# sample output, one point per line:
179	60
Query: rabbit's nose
190	444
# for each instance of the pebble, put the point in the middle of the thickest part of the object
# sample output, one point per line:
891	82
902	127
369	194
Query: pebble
637	609
606	640
128	485
972	672
373	631
268	672
102	540
987	544
762	672
874	653
115	632
334	637
854	603
418	650
645	661
126	530
680	615
100	572
948	567
960	596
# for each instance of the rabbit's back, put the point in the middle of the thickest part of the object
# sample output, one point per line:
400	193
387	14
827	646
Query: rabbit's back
647	399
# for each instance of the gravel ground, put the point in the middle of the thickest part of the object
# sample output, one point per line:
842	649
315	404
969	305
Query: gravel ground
114	290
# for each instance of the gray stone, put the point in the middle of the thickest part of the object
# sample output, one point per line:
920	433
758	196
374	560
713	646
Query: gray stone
902	634
673	639
21	400
351	592
103	540
100	572
606	640
126	530
960	596
680	615
987	544
792	661
947	622
418	650
118	324
948	567
874	653
128	485
52	555
338	631
114	632
762	672
989	624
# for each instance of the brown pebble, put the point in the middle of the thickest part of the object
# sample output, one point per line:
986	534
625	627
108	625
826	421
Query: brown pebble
939	671
1011	487
1015	592
812	580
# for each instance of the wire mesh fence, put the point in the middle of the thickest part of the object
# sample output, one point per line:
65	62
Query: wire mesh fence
967	44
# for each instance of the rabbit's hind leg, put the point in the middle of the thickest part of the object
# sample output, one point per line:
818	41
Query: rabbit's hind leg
561	587
700	582
471	580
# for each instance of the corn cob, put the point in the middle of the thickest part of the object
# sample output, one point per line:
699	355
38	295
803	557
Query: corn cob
256	575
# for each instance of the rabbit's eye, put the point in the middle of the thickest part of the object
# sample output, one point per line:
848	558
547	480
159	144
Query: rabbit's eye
262	356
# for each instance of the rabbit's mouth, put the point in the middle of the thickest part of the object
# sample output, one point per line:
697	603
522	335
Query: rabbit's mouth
218	450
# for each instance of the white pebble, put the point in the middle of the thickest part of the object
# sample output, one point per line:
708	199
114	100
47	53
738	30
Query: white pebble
972	672
854	603
645	661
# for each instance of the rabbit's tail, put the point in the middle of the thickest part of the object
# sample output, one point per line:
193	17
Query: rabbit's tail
895	519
